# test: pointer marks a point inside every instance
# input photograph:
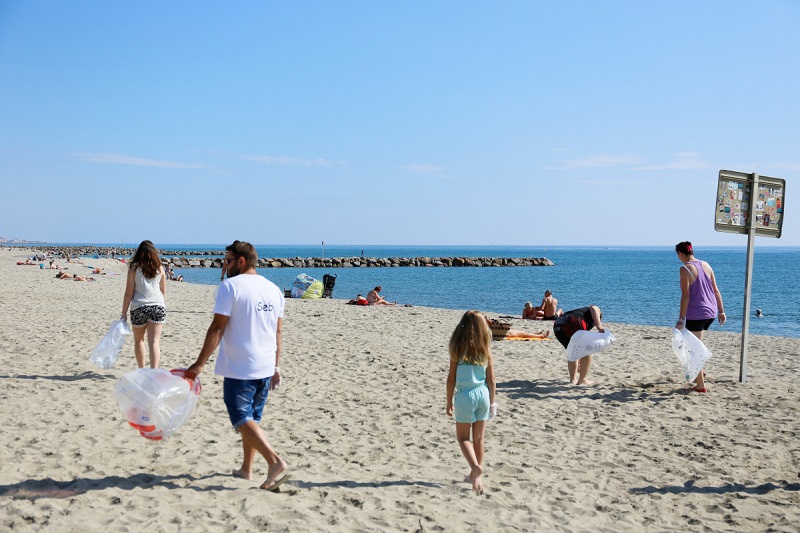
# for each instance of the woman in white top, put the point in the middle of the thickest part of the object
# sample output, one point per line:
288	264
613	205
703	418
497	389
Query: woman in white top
144	296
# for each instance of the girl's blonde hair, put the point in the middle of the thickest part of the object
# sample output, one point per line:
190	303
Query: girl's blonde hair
471	340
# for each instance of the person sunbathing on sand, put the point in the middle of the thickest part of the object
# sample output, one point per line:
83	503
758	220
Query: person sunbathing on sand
63	275
376	299
518	333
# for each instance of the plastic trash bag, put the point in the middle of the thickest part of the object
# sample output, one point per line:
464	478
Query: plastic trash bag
691	352
106	352
155	401
583	343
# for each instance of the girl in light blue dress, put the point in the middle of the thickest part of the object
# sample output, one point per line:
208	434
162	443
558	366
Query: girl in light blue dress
471	389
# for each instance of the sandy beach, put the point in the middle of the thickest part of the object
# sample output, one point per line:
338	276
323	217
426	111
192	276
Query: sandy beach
360	418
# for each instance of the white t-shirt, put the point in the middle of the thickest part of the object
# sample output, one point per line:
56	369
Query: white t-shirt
254	305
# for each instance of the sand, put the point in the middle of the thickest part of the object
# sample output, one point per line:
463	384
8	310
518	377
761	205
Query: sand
361	420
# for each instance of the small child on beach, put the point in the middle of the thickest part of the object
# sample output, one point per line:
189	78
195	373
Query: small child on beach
471	389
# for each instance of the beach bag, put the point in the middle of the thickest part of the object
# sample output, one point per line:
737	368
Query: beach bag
106	352
499	329
157	402
583	343
691	352
304	286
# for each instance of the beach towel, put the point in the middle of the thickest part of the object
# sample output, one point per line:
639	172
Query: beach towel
510	338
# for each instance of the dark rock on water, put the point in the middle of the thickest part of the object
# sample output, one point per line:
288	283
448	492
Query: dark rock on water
199	259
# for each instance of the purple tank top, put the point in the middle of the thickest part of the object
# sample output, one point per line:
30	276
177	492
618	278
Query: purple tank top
702	301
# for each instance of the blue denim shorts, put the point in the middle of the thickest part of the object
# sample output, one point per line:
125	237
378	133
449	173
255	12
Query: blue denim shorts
245	399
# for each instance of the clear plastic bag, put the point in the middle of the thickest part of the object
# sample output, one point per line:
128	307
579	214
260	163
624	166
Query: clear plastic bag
157	402
583	343
691	352
106	352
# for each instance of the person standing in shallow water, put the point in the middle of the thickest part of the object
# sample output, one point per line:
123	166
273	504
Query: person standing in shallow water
701	300
144	296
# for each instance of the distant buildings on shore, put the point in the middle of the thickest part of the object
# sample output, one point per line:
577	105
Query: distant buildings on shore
3	240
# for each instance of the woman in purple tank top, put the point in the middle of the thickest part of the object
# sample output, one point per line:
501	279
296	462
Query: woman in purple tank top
701	300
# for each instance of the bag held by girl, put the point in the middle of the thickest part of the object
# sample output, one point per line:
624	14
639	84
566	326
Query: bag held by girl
106	352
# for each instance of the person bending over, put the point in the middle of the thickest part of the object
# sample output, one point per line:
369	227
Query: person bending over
565	326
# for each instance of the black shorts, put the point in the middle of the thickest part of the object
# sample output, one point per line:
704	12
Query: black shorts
562	336
148	313
699	325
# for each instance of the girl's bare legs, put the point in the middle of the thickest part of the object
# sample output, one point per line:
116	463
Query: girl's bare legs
700	380
463	431
478	429
153	343
138	345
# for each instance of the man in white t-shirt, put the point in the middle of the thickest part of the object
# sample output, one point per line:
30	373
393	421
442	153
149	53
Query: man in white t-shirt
248	317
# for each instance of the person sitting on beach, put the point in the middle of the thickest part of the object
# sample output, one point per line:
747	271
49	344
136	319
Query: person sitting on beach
549	309
171	274
566	325
471	389
376	299
358	300
529	312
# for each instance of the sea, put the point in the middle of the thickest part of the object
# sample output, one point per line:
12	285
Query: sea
632	285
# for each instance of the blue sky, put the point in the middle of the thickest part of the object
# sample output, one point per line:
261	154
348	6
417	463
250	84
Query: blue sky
415	122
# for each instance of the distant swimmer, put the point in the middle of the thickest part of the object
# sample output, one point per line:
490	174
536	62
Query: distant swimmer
759	313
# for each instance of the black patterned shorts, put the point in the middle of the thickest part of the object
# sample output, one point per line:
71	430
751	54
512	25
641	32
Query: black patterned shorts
148	313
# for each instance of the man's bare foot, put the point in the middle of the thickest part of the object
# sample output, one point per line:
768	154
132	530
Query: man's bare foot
276	476
544	333
475	476
585	382
237	472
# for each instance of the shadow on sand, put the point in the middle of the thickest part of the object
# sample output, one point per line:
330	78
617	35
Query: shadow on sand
559	390
690	488
34	489
363	485
75	377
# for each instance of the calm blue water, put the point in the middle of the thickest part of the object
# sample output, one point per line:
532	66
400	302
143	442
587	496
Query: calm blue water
635	285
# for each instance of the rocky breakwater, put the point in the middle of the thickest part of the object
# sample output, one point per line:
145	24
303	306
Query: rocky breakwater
213	259
107	251
364	262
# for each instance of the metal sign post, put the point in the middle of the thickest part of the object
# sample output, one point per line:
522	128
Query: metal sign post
751	204
748	283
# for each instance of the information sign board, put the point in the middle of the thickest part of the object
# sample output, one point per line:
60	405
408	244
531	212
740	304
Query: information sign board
734	196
